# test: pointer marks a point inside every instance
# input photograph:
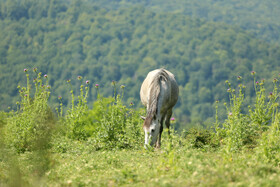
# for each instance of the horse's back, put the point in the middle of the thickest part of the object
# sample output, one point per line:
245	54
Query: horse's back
148	83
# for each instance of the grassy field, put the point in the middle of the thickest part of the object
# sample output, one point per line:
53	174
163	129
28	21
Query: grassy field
103	146
178	166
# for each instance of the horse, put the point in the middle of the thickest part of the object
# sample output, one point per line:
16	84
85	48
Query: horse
159	93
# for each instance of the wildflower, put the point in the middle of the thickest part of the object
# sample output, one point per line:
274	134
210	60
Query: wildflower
25	95
87	82
239	77
229	90
48	87
275	80
35	70
68	81
217	101
270	95
46	76
131	104
114	83
253	72
25	70
172	119
59	97
79	77
257	83
122	86
230	114
96	85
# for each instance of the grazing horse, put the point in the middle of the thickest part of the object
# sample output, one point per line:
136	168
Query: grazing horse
159	93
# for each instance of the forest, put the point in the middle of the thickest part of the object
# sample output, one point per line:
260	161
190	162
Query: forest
105	41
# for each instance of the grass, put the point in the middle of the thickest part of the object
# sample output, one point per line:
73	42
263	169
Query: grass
186	167
103	146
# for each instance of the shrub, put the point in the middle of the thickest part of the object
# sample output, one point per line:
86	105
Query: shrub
74	119
242	129
30	126
199	138
110	124
113	125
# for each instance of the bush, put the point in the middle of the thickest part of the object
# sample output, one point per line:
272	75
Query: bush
110	124
29	128
199	138
242	129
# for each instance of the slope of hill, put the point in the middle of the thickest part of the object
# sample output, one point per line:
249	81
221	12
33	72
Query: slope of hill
258	17
67	40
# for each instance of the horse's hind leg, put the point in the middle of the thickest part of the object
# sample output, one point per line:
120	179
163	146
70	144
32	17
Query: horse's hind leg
158	143
167	120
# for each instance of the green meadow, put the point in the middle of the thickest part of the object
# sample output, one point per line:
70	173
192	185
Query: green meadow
103	145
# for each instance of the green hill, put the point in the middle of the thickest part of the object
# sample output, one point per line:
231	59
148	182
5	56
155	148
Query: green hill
65	40
256	16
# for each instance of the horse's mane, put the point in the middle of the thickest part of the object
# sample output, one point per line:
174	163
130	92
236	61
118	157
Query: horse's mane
154	93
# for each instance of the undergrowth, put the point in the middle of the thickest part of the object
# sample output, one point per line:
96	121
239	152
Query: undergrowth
37	133
257	128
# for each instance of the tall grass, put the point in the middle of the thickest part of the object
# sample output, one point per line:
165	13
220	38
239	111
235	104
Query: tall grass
109	124
29	127
258	127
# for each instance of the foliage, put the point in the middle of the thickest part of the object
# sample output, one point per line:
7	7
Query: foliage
3	119
269	146
74	122
115	125
259	125
234	12
103	145
30	126
201	138
70	38
109	124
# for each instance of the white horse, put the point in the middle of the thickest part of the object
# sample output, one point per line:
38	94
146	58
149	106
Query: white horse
159	93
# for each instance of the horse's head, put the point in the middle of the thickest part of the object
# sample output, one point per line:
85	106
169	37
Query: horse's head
151	127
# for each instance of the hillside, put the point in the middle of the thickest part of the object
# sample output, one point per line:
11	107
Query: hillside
258	17
66	40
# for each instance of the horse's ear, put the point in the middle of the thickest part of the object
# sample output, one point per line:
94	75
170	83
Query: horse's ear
143	117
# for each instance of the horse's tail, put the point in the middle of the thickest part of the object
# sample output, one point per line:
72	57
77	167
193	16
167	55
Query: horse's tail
155	90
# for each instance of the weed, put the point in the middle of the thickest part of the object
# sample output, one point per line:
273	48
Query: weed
29	128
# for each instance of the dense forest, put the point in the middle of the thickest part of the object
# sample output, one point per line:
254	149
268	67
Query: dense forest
258	17
105	41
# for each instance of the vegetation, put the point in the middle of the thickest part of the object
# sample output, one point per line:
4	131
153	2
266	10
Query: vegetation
103	146
239	13
77	123
67	39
